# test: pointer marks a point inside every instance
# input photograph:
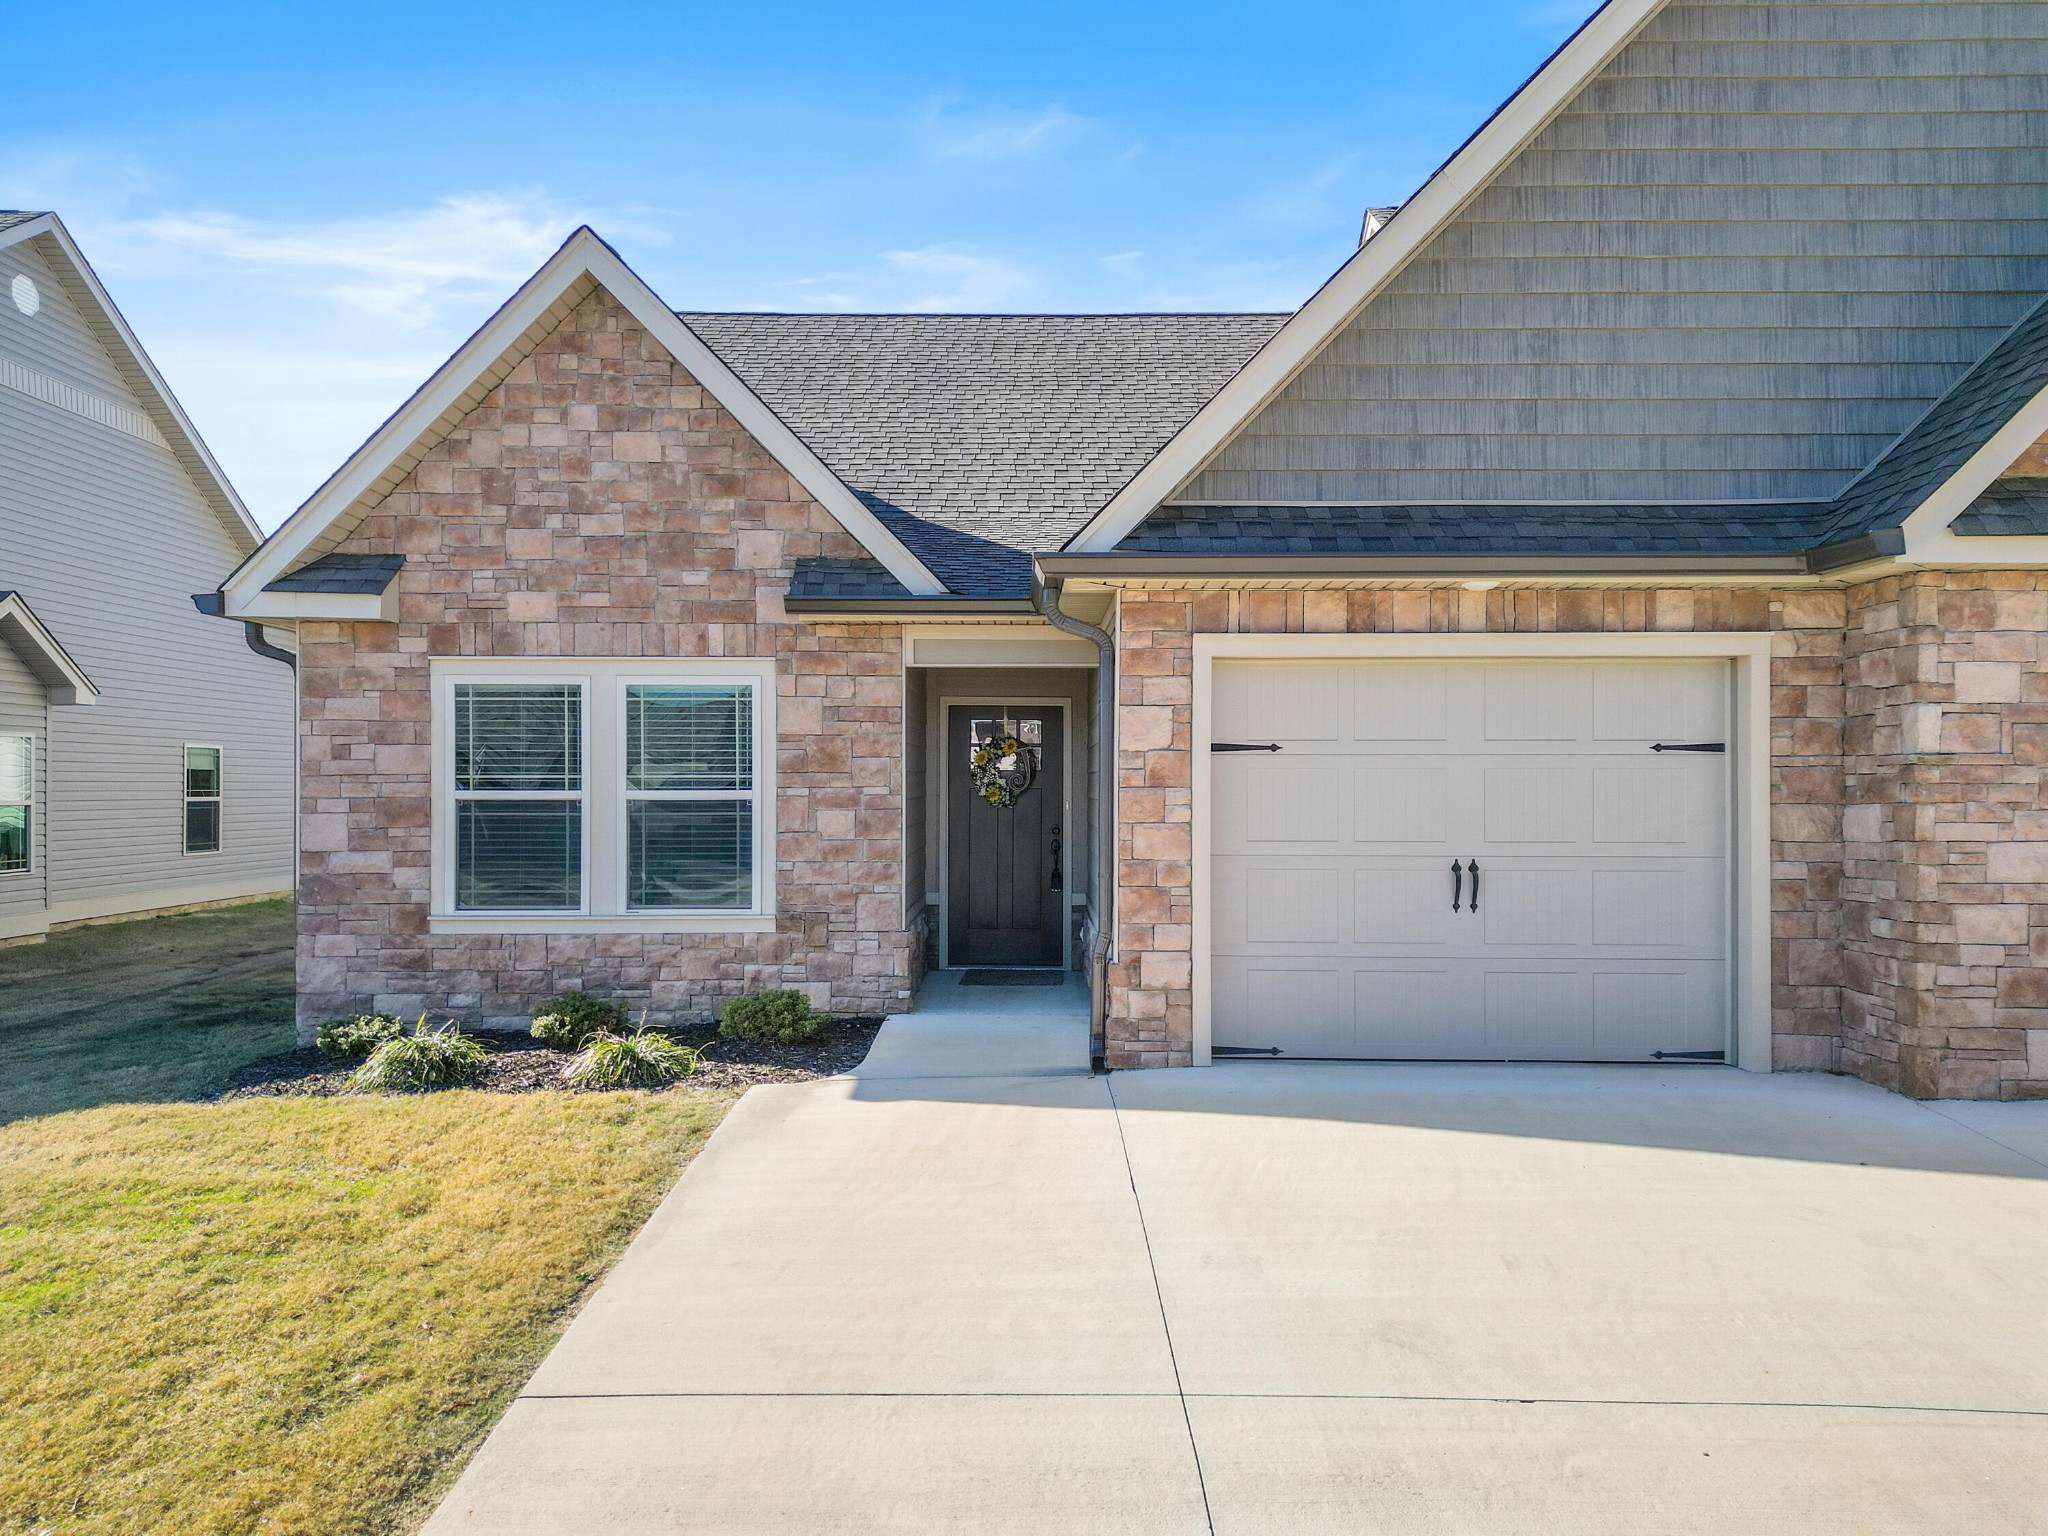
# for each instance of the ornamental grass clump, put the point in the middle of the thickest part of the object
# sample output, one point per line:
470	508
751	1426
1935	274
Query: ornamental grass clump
426	1058
567	1021
642	1059
782	1017
357	1035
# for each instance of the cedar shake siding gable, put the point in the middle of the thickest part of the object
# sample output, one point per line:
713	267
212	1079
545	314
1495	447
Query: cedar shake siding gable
598	503
1740	262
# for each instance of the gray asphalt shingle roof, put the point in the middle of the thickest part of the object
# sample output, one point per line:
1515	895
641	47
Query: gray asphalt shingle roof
339	572
9	217
980	439
1467	529
2017	506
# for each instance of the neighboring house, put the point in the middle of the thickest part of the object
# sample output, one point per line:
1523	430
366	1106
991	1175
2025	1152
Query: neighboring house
145	750
1603	623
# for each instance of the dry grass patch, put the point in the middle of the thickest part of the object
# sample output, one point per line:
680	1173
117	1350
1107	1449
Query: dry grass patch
296	1315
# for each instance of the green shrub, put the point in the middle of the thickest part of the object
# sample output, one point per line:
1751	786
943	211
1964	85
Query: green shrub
778	1018
426	1058
638	1060
567	1021
357	1035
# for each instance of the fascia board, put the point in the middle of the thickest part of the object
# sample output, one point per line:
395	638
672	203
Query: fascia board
1543	567
341	607
64	679
1374	265
186	443
584	262
1928	540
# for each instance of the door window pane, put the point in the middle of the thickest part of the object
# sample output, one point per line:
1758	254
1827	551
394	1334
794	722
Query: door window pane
519	854
687	737
518	736
690	853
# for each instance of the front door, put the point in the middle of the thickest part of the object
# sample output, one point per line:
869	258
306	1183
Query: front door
1006	900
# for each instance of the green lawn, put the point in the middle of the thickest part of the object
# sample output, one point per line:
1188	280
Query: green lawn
278	1315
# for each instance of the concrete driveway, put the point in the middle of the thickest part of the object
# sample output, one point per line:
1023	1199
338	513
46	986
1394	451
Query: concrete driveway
1306	1298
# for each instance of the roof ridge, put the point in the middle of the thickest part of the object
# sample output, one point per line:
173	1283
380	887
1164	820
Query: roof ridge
991	314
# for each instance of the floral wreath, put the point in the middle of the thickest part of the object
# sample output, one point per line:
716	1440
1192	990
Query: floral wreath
1003	769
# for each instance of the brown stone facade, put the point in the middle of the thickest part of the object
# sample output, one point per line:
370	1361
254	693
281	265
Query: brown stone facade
1909	731
598	503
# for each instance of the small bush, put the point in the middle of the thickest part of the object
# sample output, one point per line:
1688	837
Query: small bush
778	1018
426	1058
566	1022
357	1035
638	1060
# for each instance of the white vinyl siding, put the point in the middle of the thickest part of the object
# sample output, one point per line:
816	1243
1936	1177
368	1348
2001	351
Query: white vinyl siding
23	713
603	794
107	538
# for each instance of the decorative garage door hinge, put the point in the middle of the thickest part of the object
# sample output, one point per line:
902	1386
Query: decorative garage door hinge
1244	1050
1244	746
1690	746
1688	1055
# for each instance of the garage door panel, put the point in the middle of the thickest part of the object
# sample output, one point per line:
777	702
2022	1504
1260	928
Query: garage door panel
1602	928
1403	905
1399	803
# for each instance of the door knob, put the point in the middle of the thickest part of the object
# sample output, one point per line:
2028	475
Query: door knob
1058	881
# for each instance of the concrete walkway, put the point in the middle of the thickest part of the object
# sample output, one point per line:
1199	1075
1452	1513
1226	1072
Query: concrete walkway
1304	1298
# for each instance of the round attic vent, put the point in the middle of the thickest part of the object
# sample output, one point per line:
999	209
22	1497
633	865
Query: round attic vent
26	298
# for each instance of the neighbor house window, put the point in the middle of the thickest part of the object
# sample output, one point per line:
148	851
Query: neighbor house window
202	799
518	797
635	794
17	801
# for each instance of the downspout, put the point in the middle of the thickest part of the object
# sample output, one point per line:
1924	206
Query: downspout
1045	597
212	605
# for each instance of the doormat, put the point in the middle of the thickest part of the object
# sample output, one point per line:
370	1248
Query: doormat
1012	978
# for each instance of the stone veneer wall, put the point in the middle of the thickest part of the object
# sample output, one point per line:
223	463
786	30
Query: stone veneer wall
598	503
1912	701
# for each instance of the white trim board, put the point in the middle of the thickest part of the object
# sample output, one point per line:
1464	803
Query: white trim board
1928	540
997	645
1370	269
583	265
63	682
1749	771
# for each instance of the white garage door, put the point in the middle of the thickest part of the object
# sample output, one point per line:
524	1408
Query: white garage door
1470	860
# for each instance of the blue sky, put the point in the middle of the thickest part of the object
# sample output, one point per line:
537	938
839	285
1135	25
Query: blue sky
303	210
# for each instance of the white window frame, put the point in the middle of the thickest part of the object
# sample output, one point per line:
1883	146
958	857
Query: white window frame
186	797
28	805
604	682
444	768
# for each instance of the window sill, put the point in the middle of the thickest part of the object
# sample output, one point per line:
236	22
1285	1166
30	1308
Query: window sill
570	922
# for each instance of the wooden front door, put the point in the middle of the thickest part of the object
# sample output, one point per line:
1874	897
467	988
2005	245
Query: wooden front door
1006	901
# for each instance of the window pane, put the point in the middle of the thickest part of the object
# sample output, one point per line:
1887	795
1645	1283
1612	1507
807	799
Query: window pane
685	737
519	854
518	736
690	853
202	826
17	763
202	770
13	838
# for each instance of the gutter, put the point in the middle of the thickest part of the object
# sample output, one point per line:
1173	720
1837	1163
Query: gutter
1045	597
1309	567
1879	544
215	607
910	609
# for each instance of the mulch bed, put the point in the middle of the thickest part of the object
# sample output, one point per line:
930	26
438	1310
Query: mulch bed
520	1064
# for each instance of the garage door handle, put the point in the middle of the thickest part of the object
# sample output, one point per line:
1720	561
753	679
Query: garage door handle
1475	885
1457	884
1244	746
1690	746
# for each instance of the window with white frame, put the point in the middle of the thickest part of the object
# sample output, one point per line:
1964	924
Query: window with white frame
202	799
594	793
17	803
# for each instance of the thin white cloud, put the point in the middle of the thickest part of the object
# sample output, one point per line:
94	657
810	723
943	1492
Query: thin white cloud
1120	259
973	282
950	135
406	267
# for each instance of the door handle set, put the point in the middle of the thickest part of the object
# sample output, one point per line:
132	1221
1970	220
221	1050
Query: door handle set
1458	873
